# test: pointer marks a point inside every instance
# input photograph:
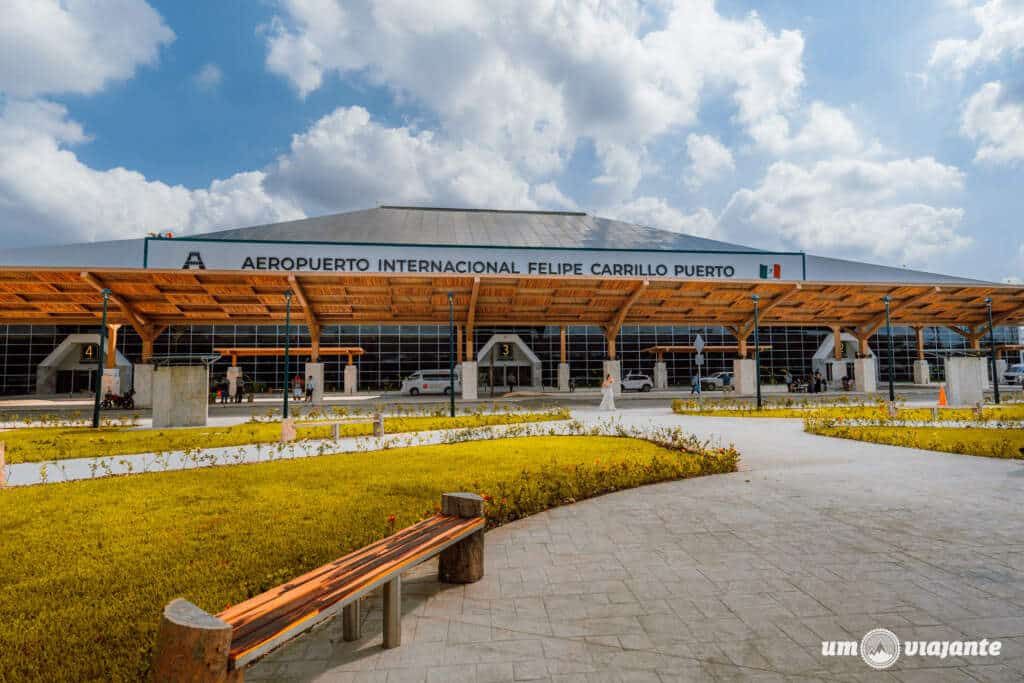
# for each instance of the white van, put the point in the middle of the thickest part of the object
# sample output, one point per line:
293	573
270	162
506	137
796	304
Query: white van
430	382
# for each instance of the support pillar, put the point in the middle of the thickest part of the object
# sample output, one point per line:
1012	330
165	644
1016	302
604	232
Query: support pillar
458	343
837	343
864	373
315	374
181	396
469	380
142	377
563	377
613	368
111	381
964	385
919	333
147	349
111	360
922	372
744	376
1001	365
661	375
351	379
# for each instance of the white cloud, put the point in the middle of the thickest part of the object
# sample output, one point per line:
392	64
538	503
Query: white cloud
997	123
209	77
548	196
1002	32
74	46
709	160
656	212
530	79
826	130
48	195
346	160
851	208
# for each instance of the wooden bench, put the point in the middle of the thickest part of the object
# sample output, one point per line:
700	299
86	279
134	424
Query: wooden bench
194	645
377	420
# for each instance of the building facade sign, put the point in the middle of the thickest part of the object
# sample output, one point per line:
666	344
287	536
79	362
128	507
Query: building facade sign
200	254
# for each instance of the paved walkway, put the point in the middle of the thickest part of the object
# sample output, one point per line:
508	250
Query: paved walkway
732	577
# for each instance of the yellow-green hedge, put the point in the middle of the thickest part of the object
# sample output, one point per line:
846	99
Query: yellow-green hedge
996	443
38	444
87	566
876	411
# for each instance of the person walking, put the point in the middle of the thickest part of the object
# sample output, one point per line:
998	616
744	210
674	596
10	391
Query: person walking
608	393
695	385
297	387
310	386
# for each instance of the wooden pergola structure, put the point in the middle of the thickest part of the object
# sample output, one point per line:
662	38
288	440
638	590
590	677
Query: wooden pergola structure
740	349
150	300
251	351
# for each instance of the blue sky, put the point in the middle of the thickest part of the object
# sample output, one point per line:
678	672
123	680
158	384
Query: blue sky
889	132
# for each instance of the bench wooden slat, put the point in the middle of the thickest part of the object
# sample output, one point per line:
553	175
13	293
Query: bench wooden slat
358	563
265	617
236	614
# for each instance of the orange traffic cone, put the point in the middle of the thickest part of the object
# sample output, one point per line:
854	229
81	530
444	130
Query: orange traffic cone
942	394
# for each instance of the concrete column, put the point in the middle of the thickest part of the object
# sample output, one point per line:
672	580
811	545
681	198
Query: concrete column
922	374
563	377
661	375
744	376
181	396
315	373
234	374
963	381
351	379
143	378
469	380
864	374
612	367
1000	368
111	381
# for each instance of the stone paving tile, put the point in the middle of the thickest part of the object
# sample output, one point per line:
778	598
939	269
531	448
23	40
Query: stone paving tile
720	578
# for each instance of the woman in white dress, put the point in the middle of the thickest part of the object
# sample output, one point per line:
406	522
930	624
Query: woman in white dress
608	393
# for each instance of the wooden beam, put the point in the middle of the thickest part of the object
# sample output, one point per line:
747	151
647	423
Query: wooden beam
615	324
137	321
837	342
1003	318
872	325
561	344
310	315
471	318
919	333
112	329
744	329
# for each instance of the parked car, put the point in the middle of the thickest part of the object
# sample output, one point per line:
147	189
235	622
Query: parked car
430	382
717	380
1014	374
635	381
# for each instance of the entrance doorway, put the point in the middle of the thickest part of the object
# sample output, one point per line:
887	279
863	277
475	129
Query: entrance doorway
505	361
75	381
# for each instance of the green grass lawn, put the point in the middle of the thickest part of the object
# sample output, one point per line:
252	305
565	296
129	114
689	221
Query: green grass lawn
38	444
997	443
86	567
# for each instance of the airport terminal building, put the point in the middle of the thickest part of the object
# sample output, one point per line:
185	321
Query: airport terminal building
538	298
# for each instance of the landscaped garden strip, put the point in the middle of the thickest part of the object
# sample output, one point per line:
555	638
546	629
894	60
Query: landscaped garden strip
87	566
996	443
41	444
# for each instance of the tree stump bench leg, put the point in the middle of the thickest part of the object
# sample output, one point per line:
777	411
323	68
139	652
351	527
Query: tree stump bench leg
393	613
192	645
462	562
378	426
351	624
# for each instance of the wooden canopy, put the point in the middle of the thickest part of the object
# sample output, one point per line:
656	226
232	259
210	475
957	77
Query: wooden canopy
149	300
315	352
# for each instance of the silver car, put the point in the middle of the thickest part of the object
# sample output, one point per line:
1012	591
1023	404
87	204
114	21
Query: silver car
634	381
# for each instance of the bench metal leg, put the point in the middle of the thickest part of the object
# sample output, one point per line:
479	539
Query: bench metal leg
393	612
351	623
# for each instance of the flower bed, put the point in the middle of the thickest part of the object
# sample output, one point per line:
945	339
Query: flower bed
39	444
88	566
996	443
878	411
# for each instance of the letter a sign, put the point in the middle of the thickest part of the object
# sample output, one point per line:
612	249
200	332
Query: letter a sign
195	261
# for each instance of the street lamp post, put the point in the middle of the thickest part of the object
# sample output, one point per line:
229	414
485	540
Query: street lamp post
451	353
892	354
992	351
287	340
99	361
757	350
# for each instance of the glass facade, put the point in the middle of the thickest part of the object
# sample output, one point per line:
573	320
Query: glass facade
393	352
